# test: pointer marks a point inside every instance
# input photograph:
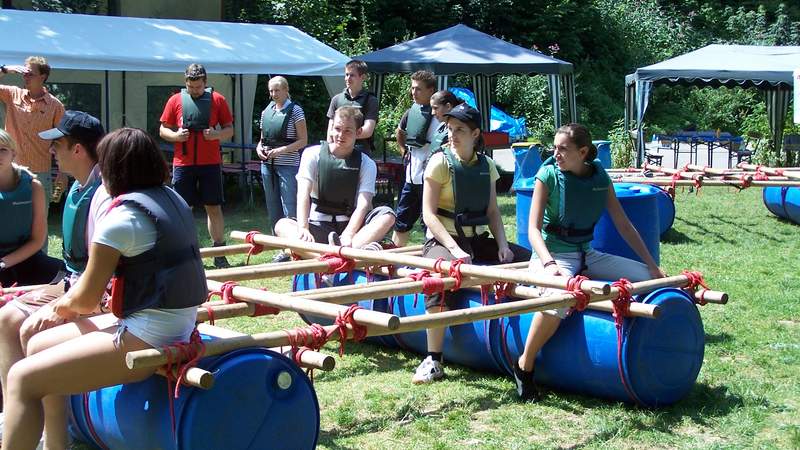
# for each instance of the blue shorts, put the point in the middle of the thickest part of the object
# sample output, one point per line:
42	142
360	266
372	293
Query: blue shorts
199	185
409	207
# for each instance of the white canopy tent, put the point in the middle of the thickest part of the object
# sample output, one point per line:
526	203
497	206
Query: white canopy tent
120	44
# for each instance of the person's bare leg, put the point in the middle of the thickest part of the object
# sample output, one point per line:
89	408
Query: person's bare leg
11	351
66	368
216	223
373	231
435	336
400	238
542	329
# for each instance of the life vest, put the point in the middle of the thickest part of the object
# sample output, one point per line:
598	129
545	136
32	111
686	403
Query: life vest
16	209
582	202
274	124
360	101
417	122
196	114
439	138
75	249
338	182
471	192
170	275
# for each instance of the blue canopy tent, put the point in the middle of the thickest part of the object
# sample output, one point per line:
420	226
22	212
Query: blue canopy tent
461	49
768	68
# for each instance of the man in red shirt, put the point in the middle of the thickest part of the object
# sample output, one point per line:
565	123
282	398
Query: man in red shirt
196	120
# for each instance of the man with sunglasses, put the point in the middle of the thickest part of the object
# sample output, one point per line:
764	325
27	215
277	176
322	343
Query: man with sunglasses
29	111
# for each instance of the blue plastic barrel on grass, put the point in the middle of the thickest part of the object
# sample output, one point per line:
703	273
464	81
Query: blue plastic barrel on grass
640	203
783	201
791	203
527	162
666	210
260	400
603	153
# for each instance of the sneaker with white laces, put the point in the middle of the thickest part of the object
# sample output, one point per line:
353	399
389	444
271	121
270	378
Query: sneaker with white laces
428	371
333	239
281	257
372	246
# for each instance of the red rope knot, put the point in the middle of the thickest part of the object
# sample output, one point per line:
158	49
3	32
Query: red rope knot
694	279
254	248
503	290
264	310
746	180
430	285
313	336
185	356
760	176
225	292
210	312
779	172
346	318
622	304
337	263
455	272
702	299
698	181
574	287
675	177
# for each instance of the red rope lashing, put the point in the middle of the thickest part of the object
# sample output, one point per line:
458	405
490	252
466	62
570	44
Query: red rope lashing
760	176
694	279
455	272
254	248
574	287
503	290
485	294
337	263
346	318
702	300
675	177
746	180
698	182
621	309
313	336
210	312
264	310
430	285
779	172
225	292
186	356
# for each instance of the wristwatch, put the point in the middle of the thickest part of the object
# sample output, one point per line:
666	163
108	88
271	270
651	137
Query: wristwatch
2	265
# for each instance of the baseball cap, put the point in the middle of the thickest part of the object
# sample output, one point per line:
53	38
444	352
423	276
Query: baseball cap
77	124
465	113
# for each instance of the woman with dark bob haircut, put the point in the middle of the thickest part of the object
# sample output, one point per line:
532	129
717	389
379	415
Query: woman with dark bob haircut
146	245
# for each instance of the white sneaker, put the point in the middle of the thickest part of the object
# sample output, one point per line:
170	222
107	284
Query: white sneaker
372	246
428	371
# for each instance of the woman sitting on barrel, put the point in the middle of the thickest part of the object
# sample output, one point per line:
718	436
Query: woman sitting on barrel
458	203
24	229
148	243
572	190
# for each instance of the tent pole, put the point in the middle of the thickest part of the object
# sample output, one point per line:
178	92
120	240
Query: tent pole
108	113
124	108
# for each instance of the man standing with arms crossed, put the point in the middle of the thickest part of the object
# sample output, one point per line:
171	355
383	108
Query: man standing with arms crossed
196	120
355	72
30	110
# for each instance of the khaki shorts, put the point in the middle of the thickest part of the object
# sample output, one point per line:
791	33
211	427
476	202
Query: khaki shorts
30	302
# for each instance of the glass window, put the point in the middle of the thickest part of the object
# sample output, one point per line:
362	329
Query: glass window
84	97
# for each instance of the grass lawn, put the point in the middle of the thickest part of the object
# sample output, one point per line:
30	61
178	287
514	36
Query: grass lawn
747	394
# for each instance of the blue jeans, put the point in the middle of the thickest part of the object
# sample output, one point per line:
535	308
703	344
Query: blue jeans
280	192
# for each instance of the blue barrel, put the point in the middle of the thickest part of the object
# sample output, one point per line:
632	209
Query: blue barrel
666	210
603	153
791	203
527	163
661	357
640	203
774	200
260	399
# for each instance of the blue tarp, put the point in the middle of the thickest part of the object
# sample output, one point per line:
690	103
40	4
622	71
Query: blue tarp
500	121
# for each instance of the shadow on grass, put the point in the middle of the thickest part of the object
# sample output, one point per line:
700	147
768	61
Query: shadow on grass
707	232
749	228
673	236
717	338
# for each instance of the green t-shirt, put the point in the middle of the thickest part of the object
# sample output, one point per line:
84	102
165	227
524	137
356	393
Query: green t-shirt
547	175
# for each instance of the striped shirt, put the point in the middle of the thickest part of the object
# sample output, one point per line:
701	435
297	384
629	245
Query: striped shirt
291	158
25	118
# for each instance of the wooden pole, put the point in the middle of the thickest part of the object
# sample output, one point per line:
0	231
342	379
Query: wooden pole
485	272
158	357
788	172
238	249
706	182
195	377
682	173
304	306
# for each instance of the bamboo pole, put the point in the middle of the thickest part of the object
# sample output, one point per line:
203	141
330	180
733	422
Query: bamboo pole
485	272
238	249
195	377
706	183
158	357
682	173
709	296
309	359
301	305
271	270
788	172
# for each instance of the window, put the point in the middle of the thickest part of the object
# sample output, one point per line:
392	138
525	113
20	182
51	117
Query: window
157	97
84	97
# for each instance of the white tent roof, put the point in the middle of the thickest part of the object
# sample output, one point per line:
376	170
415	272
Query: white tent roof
75	41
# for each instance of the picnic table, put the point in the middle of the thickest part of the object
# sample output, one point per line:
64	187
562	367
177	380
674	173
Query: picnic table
713	140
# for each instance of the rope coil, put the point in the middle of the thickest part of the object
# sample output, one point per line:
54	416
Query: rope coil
255	249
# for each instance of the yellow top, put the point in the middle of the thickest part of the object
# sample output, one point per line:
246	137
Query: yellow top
439	172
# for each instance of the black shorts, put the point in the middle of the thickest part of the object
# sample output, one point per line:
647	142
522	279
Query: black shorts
199	185
321	230
409	207
38	269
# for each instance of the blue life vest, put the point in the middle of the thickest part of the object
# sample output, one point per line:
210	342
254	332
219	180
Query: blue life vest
170	275
338	182
582	202
274	124
75	249
16	209
472	186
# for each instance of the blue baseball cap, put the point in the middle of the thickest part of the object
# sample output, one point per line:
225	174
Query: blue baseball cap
77	124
